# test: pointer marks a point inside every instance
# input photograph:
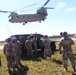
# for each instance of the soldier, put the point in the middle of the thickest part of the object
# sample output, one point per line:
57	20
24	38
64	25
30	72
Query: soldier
14	53
7	50
67	51
22	46
28	45
19	52
47	48
35	45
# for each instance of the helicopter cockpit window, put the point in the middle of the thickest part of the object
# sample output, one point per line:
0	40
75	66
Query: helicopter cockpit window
17	17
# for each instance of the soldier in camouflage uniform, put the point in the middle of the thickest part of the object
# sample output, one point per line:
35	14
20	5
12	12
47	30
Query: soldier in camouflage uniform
47	48
19	52
35	45
22	46
28	45
7	50
15	57
67	51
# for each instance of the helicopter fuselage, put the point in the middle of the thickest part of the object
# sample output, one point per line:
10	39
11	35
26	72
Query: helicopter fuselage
27	18
40	15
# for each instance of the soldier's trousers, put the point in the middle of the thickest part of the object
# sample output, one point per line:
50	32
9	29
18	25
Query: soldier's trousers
29	51
9	61
66	56
47	52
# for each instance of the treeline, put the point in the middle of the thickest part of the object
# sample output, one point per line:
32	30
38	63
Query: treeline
2	41
58	36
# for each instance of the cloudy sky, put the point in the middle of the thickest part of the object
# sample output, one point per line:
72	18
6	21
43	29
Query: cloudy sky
61	18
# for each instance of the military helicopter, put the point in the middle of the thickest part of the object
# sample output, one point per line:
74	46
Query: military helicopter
40	15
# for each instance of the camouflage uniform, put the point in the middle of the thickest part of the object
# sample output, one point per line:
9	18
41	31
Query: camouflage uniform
8	52
28	45
22	46
15	53
67	51
35	45
19	52
47	48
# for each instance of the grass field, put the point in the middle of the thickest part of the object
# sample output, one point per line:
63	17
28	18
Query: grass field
39	66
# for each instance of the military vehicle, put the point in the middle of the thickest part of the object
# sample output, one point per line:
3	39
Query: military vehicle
39	38
40	44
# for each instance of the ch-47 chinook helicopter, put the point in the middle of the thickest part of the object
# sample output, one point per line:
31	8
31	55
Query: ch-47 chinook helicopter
40	15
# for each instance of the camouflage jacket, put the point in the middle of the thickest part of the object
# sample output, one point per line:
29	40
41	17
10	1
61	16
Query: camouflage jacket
8	49
66	43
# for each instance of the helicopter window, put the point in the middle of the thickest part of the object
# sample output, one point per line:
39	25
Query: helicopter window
33	16
28	16
23	17
39	15
17	17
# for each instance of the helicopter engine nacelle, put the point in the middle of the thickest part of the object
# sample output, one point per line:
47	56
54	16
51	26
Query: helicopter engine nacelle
42	11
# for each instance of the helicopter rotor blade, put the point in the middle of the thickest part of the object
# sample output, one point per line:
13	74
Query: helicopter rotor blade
25	7
46	3
49	8
18	9
28	10
5	11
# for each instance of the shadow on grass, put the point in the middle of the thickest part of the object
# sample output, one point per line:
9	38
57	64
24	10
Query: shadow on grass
38	57
22	70
73	74
57	61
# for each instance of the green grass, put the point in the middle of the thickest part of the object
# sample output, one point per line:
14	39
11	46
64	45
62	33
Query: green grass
39	66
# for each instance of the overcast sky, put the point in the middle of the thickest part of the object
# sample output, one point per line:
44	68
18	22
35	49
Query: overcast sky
61	18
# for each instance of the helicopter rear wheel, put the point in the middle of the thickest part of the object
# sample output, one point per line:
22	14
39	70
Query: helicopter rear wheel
24	23
43	19
39	21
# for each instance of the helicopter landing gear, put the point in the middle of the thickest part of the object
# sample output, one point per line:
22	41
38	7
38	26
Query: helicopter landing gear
39	21
43	20
24	23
